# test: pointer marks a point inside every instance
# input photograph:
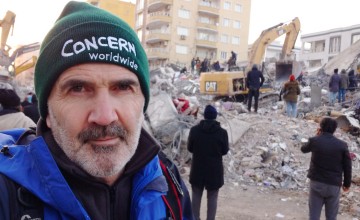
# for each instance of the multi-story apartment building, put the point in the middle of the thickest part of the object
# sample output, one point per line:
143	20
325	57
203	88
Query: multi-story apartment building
318	48
175	31
125	10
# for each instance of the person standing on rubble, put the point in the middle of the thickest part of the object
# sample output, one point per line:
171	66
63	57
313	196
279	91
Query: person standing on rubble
344	84
330	170
291	91
208	142
352	80
254	81
193	63
334	85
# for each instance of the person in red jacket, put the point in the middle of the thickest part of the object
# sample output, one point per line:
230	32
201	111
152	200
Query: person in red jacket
291	92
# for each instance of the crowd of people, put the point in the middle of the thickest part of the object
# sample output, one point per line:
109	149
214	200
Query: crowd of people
76	147
198	66
339	84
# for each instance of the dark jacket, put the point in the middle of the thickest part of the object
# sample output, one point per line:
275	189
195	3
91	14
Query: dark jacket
291	91
254	79
66	188
330	159
352	80
344	80
334	83
208	142
32	112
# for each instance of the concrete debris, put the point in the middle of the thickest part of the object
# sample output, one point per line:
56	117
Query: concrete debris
264	147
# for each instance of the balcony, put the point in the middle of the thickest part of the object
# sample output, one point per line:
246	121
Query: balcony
158	19
157	36
206	43
209	8
155	5
207	26
156	53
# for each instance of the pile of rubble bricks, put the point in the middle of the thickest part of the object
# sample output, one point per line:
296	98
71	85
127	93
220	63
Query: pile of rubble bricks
264	147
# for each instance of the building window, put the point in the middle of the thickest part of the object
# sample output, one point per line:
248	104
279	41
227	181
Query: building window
236	24
139	20
227	5
238	8
235	40
182	13
140	5
354	38
224	38
182	31
181	49
334	46
226	22
223	55
204	20
139	34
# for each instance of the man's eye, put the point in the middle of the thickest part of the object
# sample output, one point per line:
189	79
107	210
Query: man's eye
77	88
123	86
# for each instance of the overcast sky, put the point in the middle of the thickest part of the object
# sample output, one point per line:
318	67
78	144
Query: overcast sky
35	17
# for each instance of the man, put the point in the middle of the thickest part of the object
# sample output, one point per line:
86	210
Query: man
208	142
330	170
334	85
344	84
254	81
92	159
232	60
32	110
10	114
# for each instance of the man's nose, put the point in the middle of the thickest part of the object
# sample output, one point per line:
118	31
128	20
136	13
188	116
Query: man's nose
103	110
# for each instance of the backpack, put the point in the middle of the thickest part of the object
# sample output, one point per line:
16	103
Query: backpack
25	205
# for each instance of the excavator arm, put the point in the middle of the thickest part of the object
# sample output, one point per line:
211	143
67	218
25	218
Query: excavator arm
267	36
26	65
6	23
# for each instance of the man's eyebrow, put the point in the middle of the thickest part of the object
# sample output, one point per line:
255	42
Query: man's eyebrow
73	82
125	82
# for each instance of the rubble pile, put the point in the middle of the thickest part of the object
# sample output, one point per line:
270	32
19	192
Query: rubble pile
264	147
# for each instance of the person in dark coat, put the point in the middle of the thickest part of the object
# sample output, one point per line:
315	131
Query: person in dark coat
334	86
352	81
330	170
344	85
254	81
32	110
27	99
208	142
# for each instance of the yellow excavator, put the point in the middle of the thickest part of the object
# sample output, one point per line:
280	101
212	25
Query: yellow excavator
6	24
19	59
232	84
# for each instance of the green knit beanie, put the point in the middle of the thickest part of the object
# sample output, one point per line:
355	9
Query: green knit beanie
86	34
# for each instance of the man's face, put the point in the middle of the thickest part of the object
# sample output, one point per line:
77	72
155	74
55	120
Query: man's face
95	114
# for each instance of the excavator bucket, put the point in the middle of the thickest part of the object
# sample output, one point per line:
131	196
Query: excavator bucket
283	71
285	68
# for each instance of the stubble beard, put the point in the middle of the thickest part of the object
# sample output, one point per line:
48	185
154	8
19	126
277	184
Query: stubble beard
98	160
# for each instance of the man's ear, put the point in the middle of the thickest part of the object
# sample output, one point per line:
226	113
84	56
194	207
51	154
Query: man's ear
48	122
